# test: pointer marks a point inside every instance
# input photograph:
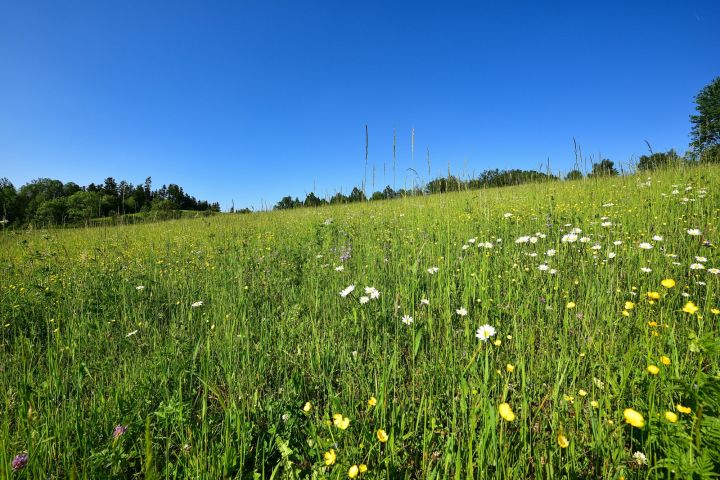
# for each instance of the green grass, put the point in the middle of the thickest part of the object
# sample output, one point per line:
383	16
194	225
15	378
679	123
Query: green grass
217	391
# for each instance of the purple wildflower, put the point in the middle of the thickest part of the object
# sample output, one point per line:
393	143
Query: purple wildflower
345	254
20	461
119	431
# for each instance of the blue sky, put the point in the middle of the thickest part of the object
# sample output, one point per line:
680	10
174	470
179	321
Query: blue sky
250	101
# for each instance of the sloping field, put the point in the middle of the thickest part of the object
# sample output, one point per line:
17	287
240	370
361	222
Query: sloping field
557	330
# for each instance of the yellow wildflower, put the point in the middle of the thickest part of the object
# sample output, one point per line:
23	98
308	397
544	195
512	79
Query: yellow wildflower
629	305
634	418
653	370
582	392
668	283
362	467
341	422
372	401
570	305
563	441
506	412
382	435
671	417
509	367
715	311
665	360
329	457
307	407
682	409
497	342
653	295
594	404
690	308
353	471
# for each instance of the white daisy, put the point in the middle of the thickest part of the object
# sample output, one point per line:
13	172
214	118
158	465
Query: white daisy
407	320
485	332
461	311
645	246
197	304
694	232
347	291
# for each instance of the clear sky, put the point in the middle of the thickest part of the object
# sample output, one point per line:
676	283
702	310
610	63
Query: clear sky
253	100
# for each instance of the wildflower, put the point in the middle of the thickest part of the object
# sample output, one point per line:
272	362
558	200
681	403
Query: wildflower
543	267
697	266
407	319
682	409
582	392
340	268
506	412
425	301
119	431
140	287
563	441
307	407
347	291
433	270
645	269
671	417
382	435
363	468
353	471
690	308
569	238
330	457
629	305
485	332
594	404
507	215
461	311
364	299
197	304
570	305
20	461
497	342
550	253
694	232
341	422
640	458
645	246
569	398
653	370
373	292
653	295
657	238
634	418
715	311
714	271
700	259
372	401
665	360
510	368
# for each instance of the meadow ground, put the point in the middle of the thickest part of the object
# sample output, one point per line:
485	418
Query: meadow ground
556	330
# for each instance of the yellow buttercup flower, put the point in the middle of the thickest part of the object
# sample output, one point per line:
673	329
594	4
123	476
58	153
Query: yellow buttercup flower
307	407
625	313
682	409
568	398
330	457
653	295
594	404
715	311
671	417
506	412
563	441
362	467
582	392
668	283
497	342
652	324
372	401
629	305
570	305
341	422
690	308
665	360
634	418
382	435
509	367
353	471
653	370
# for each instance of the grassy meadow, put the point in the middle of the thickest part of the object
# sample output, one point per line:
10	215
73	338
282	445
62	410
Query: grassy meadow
553	330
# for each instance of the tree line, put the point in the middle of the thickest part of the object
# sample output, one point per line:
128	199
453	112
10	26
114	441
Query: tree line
46	201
